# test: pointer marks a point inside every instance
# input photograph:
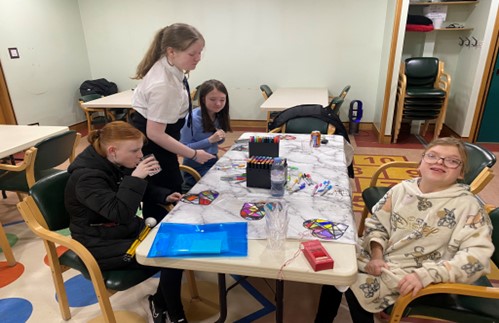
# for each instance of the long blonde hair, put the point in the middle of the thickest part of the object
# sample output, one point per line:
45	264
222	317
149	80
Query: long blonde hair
178	36
113	132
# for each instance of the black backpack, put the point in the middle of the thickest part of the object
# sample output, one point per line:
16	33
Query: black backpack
99	86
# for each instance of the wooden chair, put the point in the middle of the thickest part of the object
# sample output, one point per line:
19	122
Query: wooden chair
478	175
266	91
45	214
423	93
301	119
6	249
336	101
453	301
94	115
335	105
304	125
39	162
195	96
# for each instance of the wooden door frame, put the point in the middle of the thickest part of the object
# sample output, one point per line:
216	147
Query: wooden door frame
7	115
486	80
382	138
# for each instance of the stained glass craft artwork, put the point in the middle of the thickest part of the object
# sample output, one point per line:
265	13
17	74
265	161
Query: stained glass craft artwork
242	147
202	198
206	197
287	137
325	229
191	198
252	211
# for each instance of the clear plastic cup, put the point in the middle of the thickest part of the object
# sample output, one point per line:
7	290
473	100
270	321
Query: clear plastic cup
156	170
276	224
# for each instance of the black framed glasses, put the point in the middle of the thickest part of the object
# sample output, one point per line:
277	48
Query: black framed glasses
449	162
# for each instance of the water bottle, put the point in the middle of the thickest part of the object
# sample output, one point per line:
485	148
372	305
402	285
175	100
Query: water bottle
277	177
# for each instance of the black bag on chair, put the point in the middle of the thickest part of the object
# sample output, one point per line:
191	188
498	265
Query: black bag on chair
314	111
98	86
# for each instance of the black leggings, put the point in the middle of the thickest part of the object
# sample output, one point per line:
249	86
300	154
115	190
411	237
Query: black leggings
330	302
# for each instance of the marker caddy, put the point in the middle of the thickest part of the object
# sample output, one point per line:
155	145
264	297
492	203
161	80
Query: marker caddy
264	146
258	171
262	150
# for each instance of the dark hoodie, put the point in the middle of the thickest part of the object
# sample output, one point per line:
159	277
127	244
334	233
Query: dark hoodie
102	200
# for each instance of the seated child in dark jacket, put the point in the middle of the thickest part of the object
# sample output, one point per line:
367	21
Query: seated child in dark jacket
103	194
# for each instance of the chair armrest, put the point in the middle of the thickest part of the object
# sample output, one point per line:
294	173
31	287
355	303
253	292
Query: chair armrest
441	288
276	130
191	171
384	167
29	157
35	221
481	180
75	146
444	81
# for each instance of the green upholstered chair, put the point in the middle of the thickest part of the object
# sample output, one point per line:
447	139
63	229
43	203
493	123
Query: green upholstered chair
298	120
344	92
335	104
455	302
336	101
45	214
423	93
305	125
477	175
266	91
39	162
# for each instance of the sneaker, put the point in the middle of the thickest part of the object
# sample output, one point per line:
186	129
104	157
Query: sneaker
158	315
182	320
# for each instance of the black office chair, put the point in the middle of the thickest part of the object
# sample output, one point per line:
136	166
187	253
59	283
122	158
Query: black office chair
423	93
45	214
455	302
478	175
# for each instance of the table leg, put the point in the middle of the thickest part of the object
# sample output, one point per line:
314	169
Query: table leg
279	300
222	296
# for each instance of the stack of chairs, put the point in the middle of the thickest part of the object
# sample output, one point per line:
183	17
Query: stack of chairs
423	93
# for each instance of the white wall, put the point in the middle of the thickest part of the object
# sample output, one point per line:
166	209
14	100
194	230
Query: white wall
283	43
43	82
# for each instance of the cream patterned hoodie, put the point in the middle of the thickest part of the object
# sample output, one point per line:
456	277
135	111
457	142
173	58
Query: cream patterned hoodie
442	236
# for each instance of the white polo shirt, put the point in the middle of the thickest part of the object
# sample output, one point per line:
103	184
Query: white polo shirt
161	95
